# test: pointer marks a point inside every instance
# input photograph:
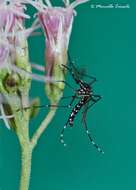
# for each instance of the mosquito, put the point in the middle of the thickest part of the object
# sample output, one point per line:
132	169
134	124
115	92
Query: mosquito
86	99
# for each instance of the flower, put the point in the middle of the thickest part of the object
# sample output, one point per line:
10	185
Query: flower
57	25
11	13
13	54
11	18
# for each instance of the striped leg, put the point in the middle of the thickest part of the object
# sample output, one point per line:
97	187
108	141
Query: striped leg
94	101
62	134
90	138
49	105
65	126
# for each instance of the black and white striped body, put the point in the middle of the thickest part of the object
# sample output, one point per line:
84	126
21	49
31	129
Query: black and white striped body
76	109
84	93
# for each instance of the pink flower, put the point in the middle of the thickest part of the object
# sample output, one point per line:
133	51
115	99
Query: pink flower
11	13
57	25
11	19
11	31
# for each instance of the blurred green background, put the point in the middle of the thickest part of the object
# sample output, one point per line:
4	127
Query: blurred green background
103	42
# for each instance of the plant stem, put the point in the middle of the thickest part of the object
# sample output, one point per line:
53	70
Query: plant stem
26	155
42	127
22	132
28	146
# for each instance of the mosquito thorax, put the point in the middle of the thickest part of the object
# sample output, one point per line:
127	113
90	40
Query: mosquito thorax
84	92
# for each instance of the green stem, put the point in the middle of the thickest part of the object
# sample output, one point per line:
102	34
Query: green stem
26	155
28	146
42	127
22	132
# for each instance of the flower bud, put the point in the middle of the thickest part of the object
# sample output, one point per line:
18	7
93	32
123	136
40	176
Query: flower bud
57	25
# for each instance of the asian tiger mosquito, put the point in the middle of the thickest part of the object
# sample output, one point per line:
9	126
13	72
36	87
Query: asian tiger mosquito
86	96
